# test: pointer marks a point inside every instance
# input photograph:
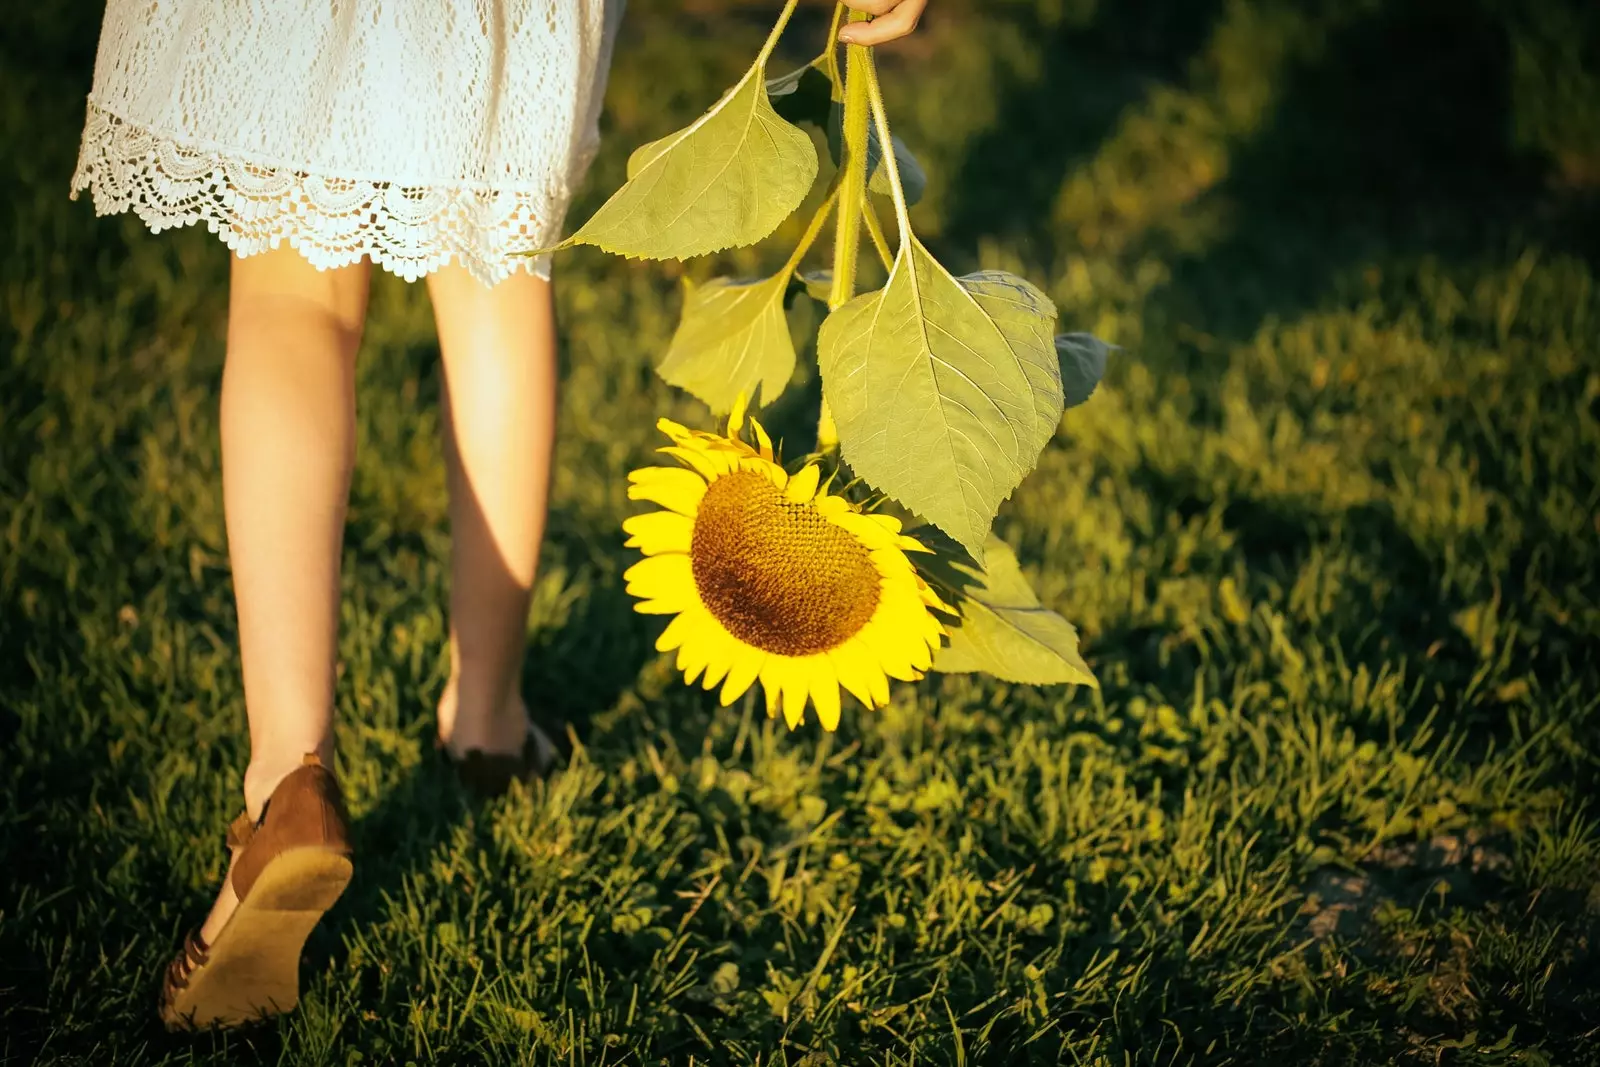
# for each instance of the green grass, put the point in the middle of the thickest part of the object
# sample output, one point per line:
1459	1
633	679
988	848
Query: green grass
1331	531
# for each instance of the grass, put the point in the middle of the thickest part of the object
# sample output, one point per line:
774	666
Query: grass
1331	531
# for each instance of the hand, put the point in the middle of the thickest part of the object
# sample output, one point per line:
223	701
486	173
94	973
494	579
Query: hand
891	20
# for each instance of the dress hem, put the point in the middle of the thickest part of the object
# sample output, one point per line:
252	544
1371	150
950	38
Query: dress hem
408	228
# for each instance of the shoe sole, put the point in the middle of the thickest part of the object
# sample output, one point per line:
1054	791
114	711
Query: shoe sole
253	970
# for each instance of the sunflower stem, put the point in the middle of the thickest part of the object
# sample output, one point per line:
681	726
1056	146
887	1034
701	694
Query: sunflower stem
880	119
830	54
813	228
777	31
853	189
875	230
852	194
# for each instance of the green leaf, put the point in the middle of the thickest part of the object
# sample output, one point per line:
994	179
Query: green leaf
1006	632
818	283
733	338
944	390
1083	364
802	95
646	154
726	181
913	179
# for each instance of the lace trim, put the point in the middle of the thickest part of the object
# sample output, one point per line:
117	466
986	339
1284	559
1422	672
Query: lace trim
254	206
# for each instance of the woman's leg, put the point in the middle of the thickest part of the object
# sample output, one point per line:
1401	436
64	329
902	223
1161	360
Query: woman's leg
288	445
498	347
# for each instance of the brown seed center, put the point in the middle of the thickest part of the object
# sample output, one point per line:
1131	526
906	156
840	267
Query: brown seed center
777	575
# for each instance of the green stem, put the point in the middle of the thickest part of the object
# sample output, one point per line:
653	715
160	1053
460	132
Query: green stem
881	120
875	229
853	189
830	54
852	194
772	38
813	228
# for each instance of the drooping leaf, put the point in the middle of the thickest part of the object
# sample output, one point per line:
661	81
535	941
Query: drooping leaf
944	390
913	179
725	181
818	283
802	95
1083	364
733	339
1005	631
788	84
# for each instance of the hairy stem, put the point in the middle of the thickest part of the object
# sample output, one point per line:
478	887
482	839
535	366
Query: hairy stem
881	120
853	187
777	31
852	194
813	228
830	53
869	214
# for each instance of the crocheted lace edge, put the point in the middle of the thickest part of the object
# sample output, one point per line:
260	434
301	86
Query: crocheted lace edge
254	206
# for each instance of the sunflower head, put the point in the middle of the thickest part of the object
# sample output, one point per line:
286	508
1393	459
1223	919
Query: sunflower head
770	577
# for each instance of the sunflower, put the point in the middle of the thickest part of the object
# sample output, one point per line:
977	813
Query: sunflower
771	577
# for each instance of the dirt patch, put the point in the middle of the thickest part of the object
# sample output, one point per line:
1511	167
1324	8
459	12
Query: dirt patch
1341	901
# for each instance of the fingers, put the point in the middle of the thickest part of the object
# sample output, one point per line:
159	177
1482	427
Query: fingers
893	20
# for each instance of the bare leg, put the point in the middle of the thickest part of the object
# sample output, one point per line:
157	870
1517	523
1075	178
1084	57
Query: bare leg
498	347
288	444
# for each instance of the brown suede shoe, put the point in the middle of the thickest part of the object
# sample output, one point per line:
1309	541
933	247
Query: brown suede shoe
288	868
490	774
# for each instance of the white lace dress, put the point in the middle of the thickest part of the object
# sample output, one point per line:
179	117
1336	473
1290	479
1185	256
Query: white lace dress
412	132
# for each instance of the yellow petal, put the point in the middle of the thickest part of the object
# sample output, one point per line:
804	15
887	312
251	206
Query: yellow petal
863	529
675	430
890	650
672	487
762	439
693	656
708	463
745	670
880	688
661	607
722	648
659	531
682	628
892	563
921	658
858	672
736	416
771	471
824	692
831	507
772	683
888	522
664	577
795	691
803	486
916	633
932	599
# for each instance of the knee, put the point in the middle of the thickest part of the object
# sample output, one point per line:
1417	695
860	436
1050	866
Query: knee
280	294
476	321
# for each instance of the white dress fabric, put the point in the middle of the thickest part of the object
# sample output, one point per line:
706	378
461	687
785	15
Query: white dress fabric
410	132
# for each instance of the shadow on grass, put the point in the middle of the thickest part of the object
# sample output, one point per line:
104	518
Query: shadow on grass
1095	62
1392	139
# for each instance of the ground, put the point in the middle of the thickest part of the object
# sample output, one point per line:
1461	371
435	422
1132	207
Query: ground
1330	530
